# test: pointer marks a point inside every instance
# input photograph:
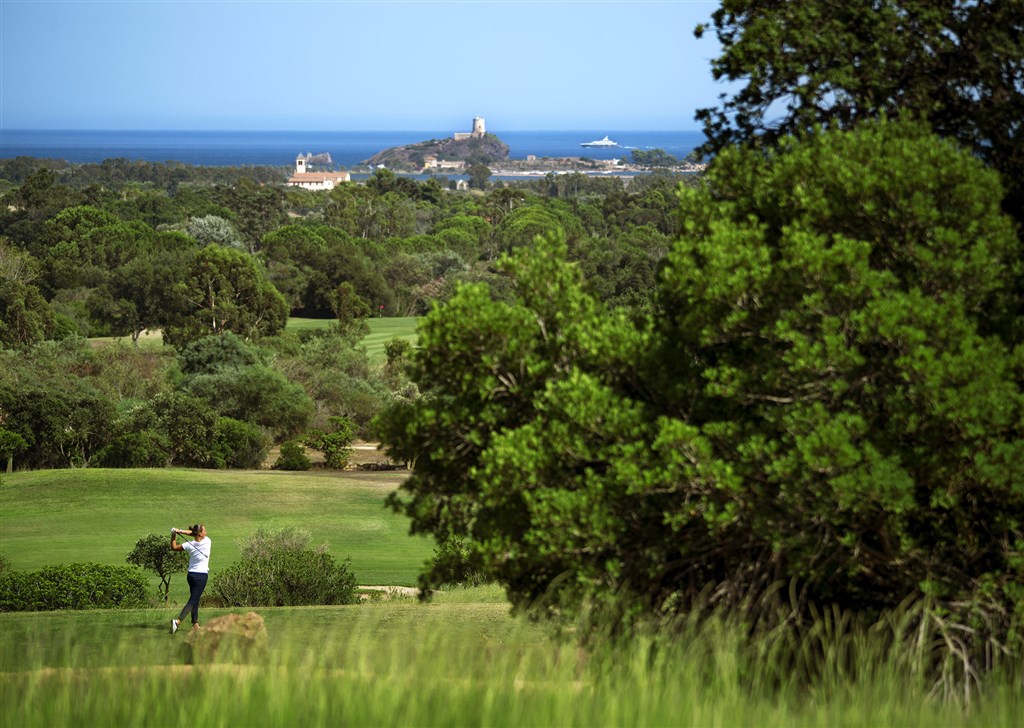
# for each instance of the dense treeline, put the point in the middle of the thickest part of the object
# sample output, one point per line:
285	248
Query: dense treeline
118	260
119	171
218	259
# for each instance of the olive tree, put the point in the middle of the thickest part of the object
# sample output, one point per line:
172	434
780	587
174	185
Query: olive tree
154	553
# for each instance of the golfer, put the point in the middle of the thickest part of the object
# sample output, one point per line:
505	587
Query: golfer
198	570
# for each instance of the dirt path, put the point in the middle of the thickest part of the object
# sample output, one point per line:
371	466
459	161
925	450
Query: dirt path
394	591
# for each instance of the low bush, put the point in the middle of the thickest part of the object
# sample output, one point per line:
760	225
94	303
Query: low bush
293	457
144	449
280	568
237	444
72	586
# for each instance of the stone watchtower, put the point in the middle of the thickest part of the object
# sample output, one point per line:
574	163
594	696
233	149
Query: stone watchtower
478	130
300	164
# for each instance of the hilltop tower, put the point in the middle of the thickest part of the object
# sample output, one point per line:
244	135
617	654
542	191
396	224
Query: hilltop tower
479	131
300	164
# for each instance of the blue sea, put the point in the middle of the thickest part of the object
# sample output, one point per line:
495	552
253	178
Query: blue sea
279	148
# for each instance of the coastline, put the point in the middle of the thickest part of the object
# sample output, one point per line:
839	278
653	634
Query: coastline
347	148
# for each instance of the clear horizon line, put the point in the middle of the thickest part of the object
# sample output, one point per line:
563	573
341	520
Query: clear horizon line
313	131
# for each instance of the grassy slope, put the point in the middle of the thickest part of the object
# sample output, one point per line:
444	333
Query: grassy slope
64	516
382	330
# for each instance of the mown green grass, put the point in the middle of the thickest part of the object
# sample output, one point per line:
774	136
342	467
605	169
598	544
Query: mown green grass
383	330
65	516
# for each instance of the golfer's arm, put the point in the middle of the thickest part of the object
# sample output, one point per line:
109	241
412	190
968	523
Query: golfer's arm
175	546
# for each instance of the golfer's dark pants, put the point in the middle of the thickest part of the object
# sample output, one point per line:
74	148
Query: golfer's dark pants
196	584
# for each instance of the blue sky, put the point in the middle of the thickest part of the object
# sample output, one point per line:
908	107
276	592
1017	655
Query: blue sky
339	64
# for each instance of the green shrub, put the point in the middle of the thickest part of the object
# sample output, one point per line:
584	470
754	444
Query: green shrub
238	444
145	449
293	457
334	442
280	568
453	563
213	354
72	586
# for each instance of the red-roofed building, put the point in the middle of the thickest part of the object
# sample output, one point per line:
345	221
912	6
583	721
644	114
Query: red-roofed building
316	180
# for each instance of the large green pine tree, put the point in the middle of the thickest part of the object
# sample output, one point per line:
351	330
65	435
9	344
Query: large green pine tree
825	395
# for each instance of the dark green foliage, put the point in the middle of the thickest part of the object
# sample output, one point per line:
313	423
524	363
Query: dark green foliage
72	586
351	310
225	290
957	64
214	354
237	444
256	209
519	227
478	176
258	394
397	352
154	553
114	259
653	158
827	395
121	172
11	444
188	424
26	209
63	426
452	565
234	378
25	316
832	333
280	568
293	457
142	449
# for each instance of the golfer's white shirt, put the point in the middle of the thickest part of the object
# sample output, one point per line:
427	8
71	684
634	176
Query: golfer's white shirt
198	555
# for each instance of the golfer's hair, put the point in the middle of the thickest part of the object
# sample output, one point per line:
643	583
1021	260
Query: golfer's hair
196	528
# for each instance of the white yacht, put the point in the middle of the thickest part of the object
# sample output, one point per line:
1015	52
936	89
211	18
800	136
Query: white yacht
606	142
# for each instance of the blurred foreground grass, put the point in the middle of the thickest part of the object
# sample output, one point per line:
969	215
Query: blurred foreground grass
463	661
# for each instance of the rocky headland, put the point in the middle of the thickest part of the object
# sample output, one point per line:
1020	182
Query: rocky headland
486	149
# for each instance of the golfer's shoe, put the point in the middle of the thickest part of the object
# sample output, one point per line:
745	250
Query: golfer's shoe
174	626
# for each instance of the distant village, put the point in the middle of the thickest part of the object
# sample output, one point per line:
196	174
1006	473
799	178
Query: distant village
532	166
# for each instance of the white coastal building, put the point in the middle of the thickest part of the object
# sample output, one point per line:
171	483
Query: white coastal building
316	180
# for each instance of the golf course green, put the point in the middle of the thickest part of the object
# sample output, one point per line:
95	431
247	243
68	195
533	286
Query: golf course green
97	515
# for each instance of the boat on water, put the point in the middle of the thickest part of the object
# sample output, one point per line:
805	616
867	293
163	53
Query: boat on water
606	142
